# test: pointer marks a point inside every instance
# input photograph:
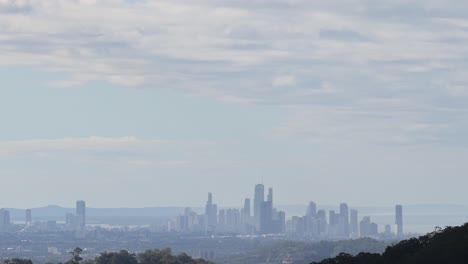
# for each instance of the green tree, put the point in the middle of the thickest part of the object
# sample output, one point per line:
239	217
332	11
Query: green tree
122	257
76	256
18	261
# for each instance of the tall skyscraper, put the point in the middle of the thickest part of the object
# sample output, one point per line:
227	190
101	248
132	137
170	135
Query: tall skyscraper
28	217
266	218
332	218
81	214
259	198
246	210
353	224
211	213
270	195
365	227
4	219
399	219
222	218
344	216
209	208
322	221
312	210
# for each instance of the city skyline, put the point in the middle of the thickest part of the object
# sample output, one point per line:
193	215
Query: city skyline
312	224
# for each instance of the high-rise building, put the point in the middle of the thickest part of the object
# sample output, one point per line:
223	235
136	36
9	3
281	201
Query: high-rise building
399	219
233	223
211	213
6	219
353	224
70	221
332	218
28	217
270	195
321	222
281	226
312	210
344	217
222	218
388	230
259	198
266	218
81	214
374	230
246	209
209	205
365	226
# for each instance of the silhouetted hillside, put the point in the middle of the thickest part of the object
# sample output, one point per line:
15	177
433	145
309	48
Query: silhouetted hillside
441	246
156	256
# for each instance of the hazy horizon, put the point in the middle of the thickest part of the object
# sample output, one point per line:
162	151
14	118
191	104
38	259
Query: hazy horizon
134	103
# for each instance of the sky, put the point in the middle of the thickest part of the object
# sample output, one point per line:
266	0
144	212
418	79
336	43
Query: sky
133	103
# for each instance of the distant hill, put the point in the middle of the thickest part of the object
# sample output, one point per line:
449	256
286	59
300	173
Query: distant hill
449	245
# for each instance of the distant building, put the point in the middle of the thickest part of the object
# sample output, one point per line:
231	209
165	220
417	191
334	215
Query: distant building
399	220
233	223
266	218
312	210
367	228
270	195
246	209
4	219
321	222
280	222
221	218
388	231
28	217
211	213
374	230
364	226
81	214
344	219
259	198
353	223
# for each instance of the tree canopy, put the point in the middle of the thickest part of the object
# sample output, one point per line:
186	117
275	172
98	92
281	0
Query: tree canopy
441	246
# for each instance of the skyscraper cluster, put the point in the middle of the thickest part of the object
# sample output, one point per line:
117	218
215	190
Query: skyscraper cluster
265	219
77	222
339	225
315	224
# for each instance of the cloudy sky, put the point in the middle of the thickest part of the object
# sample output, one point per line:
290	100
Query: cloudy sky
155	103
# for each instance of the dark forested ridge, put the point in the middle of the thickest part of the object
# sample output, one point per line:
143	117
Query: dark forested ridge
449	245
155	256
302	252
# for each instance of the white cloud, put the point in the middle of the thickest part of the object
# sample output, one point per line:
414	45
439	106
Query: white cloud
129	149
331	55
284	80
458	90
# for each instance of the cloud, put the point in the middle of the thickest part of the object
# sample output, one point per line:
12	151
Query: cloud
15	6
327	54
348	126
285	80
129	150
